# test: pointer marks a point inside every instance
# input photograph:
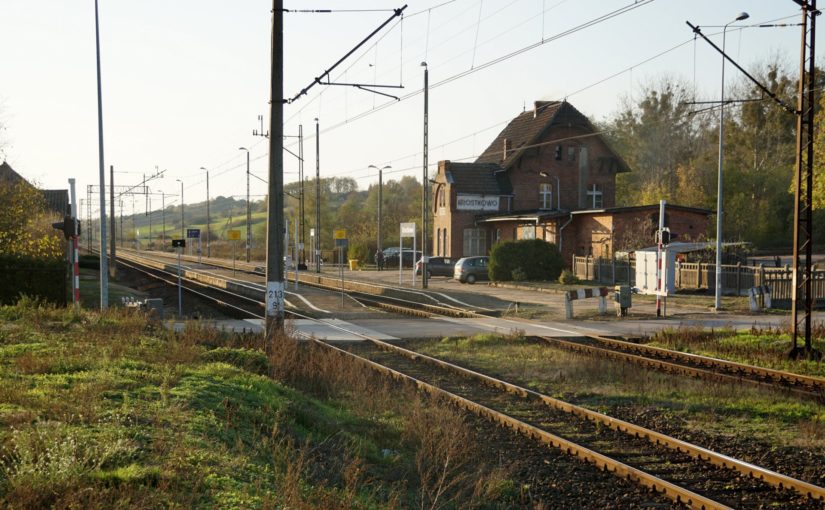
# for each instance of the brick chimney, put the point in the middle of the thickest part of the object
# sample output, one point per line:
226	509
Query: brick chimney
538	105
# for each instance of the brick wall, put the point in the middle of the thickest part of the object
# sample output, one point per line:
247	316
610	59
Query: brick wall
525	178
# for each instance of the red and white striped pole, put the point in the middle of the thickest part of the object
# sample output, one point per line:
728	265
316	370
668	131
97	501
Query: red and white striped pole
75	272
74	250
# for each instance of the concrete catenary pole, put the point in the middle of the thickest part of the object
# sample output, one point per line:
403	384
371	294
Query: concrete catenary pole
112	243
425	183
275	213
104	266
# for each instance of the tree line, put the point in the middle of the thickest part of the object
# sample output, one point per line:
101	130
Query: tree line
672	148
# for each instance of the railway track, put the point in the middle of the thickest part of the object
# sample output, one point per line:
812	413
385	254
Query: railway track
380	296
692	365
685	473
689	474
666	360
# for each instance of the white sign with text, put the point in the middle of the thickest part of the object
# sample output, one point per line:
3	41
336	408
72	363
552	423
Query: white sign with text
476	202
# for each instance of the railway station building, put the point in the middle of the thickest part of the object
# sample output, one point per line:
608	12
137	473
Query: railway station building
548	175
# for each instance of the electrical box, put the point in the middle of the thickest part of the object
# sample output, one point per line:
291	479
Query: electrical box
623	298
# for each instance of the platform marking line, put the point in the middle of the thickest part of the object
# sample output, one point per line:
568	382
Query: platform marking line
305	300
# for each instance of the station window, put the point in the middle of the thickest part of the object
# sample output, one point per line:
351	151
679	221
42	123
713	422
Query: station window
475	242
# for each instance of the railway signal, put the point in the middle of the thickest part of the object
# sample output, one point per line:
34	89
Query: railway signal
69	226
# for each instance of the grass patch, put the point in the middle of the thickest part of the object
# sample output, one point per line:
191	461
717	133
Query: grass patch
766	347
612	387
104	410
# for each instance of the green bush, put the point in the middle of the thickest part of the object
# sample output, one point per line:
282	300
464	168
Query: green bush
519	275
568	277
527	259
358	251
43	278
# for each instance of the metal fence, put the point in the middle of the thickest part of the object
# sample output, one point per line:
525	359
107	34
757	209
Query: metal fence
601	270
736	279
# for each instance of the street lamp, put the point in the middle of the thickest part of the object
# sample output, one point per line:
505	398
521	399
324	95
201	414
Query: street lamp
719	184
208	223
317	196
248	208
558	187
424	181
182	236
380	199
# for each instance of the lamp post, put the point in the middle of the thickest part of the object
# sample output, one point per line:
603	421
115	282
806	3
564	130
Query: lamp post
182	226
719	184
380	199
424	181
317	197
208	222
248	206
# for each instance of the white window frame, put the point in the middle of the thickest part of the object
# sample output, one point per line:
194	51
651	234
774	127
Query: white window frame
596	196
528	231
545	196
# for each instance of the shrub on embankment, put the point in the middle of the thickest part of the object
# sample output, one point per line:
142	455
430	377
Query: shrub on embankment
40	277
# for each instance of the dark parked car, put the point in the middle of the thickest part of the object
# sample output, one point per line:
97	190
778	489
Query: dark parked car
408	260
471	269
436	266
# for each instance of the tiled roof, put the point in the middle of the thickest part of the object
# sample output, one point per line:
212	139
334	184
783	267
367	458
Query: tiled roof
57	200
478	178
521	131
529	126
7	174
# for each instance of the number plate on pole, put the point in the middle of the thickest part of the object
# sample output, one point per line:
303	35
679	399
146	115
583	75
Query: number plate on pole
274	298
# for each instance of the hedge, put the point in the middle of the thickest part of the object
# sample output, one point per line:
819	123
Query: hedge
527	259
41	278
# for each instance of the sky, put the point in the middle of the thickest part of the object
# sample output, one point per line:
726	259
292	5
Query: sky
184	81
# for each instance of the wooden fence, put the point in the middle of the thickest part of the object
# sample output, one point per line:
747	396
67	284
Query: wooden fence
736	279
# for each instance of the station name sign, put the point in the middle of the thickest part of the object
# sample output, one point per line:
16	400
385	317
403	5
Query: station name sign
476	202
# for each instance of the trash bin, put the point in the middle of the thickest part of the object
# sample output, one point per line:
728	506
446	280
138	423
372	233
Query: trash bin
623	299
353	265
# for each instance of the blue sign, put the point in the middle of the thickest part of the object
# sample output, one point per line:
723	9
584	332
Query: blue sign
193	233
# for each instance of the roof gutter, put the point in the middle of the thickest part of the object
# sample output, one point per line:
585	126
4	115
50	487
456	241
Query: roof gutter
561	238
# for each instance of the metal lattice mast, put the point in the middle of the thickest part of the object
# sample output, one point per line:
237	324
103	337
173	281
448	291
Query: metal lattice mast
803	189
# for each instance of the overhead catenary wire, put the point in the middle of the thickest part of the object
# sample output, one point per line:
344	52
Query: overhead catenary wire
582	89
494	61
364	114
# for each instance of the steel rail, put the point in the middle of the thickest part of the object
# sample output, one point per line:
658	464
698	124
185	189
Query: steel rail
174	283
681	363
603	462
673	491
742	369
395	304
769	476
666	366
307	279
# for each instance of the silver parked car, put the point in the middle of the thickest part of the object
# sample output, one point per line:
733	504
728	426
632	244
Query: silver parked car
471	269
